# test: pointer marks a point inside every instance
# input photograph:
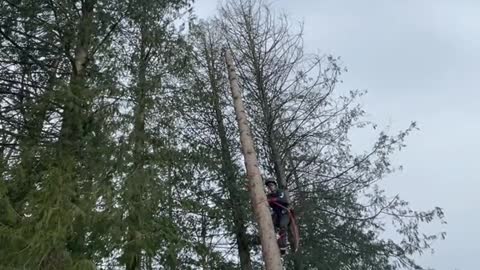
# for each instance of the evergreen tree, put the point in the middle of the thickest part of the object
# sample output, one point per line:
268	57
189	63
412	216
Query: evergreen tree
119	147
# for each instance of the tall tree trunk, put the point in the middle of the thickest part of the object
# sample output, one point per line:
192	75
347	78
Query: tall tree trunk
75	101
267	111
135	184
63	186
277	160
272	136
203	234
233	190
270	250
172	260
228	168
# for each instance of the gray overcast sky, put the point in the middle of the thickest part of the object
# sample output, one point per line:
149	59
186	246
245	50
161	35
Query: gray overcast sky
418	60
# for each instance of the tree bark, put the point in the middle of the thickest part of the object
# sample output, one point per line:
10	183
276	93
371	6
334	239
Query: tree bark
135	184
233	190
228	168
270	250
64	189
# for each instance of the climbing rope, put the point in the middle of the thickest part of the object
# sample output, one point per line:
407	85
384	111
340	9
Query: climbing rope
293	226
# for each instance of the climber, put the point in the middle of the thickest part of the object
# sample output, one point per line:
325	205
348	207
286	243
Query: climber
279	204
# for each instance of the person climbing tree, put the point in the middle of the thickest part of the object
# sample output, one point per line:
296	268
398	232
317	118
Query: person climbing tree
270	250
279	205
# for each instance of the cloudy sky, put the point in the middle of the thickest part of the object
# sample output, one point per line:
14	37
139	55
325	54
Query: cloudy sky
418	60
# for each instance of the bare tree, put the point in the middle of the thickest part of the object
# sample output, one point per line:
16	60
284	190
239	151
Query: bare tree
301	124
211	53
270	250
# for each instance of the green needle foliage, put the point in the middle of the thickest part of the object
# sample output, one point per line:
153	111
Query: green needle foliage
119	147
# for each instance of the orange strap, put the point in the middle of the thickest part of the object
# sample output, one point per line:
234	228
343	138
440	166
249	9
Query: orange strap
294	226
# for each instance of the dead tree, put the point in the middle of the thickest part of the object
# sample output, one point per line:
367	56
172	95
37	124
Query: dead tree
270	250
